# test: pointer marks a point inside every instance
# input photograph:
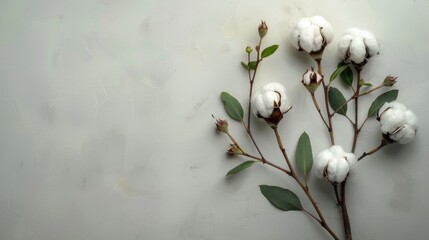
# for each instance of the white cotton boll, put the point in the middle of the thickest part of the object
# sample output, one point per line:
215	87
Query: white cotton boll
337	163
312	34
357	45
270	96
397	122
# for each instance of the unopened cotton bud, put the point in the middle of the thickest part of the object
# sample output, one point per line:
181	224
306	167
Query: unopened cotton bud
357	46
234	150
262	29
334	164
311	80
389	81
271	102
312	34
222	125
398	123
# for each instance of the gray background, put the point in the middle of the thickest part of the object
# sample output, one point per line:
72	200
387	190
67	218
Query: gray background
106	127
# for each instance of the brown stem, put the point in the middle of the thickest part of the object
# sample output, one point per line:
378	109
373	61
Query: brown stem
374	150
356	123
265	161
346	220
328	111
252	79
303	186
316	104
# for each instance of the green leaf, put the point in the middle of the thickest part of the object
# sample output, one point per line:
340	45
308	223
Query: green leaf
337	101
245	66
240	167
252	65
346	75
232	106
281	198
337	72
269	51
381	100
304	154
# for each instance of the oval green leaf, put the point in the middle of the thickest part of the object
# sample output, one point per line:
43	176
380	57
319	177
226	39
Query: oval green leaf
337	72
304	154
281	198
269	51
245	66
232	106
381	100
337	101
346	75
240	167
252	65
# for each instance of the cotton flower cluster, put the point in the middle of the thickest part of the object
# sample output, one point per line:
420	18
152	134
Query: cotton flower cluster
271	102
312	34
357	46
334	164
397	122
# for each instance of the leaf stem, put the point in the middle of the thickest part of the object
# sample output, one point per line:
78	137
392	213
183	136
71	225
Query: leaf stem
304	187
328	111
252	79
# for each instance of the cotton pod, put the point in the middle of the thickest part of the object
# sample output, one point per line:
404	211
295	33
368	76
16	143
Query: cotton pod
357	46
398	123
271	102
312	34
311	80
334	164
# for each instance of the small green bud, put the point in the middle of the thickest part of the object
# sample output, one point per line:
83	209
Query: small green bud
249	49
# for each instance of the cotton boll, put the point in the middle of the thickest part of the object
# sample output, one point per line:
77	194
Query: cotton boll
334	164
357	46
397	122
312	35
271	102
